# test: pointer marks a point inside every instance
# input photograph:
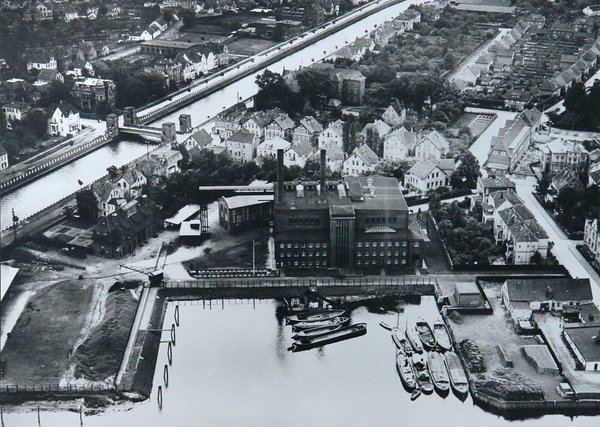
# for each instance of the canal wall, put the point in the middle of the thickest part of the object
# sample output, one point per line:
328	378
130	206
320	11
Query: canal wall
54	164
334	27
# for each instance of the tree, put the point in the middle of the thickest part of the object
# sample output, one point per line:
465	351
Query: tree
543	185
86	205
113	171
274	92
467	172
314	85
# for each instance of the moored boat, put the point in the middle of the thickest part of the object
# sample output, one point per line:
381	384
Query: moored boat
316	332
442	336
314	316
301	326
385	326
343	333
399	338
414	340
423	377
438	372
456	373
406	371
425	334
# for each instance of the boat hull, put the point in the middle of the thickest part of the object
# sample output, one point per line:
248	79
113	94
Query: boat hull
314	316
414	340
406	371
309	325
426	335
442	336
316	332
438	372
344	333
399	338
456	373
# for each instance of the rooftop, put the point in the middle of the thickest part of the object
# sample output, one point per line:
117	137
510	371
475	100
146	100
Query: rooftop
556	289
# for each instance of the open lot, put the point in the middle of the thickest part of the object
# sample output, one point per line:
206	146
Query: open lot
246	46
488	331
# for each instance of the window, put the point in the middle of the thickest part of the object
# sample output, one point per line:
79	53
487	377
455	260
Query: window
367	244
303	254
289	246
416	244
404	243
389	253
317	254
359	253
310	245
317	245
359	244
396	244
389	244
325	262
324	253
324	245
289	254
317	262
381	244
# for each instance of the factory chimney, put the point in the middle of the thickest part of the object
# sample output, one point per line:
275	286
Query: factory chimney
323	170
279	193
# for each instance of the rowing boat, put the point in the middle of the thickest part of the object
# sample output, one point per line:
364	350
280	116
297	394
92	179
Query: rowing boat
438	372
309	325
406	371
313	316
399	338
316	332
458	379
341	334
442	336
425	334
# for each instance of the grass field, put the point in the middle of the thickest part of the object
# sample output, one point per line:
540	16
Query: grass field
249	46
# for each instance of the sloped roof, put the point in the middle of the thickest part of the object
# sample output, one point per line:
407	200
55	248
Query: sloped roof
556	289
64	107
311	124
381	127
303	148
274	144
47	75
436	139
243	201
202	138
367	155
564	179
243	136
423	168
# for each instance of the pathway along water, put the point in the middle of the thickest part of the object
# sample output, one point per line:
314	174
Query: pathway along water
231	367
53	187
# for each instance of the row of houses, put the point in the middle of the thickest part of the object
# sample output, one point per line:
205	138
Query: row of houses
42	11
513	224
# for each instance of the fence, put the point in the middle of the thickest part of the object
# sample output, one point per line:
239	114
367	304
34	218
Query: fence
47	388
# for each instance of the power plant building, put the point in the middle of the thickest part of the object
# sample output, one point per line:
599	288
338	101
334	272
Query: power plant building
353	223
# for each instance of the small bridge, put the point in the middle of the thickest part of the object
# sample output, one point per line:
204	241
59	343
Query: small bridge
143	131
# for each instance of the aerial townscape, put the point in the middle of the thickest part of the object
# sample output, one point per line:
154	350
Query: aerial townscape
319	212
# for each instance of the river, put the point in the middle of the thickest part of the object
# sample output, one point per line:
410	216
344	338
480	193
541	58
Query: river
231	367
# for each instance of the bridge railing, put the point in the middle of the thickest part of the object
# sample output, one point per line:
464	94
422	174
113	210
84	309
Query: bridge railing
296	282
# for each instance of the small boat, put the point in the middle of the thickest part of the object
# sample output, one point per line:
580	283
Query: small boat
423	377
302	326
316	332
442	336
406	371
314	316
415	394
458	379
399	338
438	372
344	333
425	334
414	340
385	326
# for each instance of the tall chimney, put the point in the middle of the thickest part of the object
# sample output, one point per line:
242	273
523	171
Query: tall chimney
323	170
279	176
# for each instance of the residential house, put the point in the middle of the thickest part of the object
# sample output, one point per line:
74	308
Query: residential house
257	123
522	297
298	154
563	180
169	160
307	130
561	153
399	145
384	33
229	121
109	197
3	158
395	114
281	126
15	111
64	119
591	237
240	213
47	75
37	13
241	146
314	15
86	51
350	86
406	20
269	147
113	11
428	175
516	99
487	186
199	139
431	146
170	69
363	160
592	10
582	341
516	226
92	92
42	61
373	131
81	68
334	158
119	234
38	91
333	133
131	180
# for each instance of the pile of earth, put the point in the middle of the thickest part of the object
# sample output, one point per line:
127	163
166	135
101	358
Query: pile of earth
472	356
507	384
100	355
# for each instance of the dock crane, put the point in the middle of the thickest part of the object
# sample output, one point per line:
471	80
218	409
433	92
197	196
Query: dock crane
155	275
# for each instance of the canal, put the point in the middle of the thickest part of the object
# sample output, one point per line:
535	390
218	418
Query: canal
231	367
54	186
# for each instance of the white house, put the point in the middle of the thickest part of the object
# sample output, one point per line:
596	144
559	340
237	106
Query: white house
425	176
361	161
298	154
269	147
64	120
3	158
431	146
333	133
399	145
395	114
334	158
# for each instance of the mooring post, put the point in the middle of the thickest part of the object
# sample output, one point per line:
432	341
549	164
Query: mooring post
173	334
39	421
80	415
1	416
166	375
159	397
170	353
223	304
177	314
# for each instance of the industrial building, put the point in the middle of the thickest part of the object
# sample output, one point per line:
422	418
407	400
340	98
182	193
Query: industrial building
354	223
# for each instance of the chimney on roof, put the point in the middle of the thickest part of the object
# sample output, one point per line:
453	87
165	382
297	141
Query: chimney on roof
323	170
279	176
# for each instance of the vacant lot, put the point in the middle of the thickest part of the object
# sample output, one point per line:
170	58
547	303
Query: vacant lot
487	331
249	46
38	349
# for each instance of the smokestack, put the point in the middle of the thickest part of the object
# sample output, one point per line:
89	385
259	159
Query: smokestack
279	176
323	170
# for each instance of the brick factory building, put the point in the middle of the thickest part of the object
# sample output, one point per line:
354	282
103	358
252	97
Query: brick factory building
353	223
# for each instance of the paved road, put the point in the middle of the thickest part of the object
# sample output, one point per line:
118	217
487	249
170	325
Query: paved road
564	249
